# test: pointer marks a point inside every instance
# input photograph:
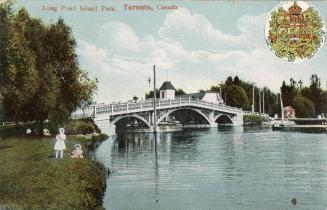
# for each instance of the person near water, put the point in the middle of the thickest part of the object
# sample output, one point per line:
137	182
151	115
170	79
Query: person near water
77	152
60	145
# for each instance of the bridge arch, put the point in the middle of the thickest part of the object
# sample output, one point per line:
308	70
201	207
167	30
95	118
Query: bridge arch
184	108
224	119
130	116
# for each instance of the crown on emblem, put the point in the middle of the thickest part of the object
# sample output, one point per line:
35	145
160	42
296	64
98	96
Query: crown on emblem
295	9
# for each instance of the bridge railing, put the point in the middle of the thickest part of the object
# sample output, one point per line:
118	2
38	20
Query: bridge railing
148	105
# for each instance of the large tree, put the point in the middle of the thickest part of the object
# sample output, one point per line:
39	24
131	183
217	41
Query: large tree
236	97
41	77
303	107
19	73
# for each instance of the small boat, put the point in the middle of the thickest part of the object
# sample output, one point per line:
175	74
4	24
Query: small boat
277	126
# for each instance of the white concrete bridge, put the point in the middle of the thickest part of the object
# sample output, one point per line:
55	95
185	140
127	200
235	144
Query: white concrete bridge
107	116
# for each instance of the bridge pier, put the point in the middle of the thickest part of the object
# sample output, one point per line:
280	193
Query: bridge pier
238	120
212	121
106	126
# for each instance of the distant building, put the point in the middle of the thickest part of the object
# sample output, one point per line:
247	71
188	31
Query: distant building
208	96
289	112
167	91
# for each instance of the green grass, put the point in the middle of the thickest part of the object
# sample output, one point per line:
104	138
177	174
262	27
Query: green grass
31	178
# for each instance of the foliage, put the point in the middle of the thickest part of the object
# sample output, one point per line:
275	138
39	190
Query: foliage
303	107
150	94
313	93
39	74
180	92
254	119
271	103
83	126
236	96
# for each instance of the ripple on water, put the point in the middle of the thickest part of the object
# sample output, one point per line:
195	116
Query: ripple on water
233	168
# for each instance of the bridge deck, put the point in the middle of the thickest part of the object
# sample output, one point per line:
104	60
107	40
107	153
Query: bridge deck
126	108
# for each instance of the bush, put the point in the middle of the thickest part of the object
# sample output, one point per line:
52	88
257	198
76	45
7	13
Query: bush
85	126
254	119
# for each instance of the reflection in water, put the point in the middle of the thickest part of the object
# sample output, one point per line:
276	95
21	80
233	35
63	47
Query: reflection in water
224	168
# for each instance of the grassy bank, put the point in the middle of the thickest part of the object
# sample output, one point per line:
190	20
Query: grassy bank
31	178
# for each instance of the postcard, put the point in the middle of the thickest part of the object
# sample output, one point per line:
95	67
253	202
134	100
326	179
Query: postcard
163	104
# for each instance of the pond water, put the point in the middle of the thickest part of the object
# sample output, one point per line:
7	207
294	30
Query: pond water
224	168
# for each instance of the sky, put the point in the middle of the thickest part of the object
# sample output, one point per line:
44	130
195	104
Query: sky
196	46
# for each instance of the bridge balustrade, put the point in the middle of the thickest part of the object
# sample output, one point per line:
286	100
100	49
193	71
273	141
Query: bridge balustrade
123	107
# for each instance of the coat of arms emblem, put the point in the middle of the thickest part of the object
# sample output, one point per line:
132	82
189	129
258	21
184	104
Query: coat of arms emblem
295	31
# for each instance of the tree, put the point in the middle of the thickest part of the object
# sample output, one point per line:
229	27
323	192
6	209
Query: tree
19	74
316	93
180	92
150	94
215	88
236	97
288	92
41	76
303	107
237	81
229	81
5	18
135	98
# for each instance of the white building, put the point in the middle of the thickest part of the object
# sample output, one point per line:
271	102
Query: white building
208	96
167	91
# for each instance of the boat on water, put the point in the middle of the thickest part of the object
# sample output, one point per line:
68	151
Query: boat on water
282	125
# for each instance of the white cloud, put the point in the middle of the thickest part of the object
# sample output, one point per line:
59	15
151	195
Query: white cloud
195	53
195	31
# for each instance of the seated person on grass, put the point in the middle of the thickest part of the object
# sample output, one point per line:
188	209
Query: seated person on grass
77	152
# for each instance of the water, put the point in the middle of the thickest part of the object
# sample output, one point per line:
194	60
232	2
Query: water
229	168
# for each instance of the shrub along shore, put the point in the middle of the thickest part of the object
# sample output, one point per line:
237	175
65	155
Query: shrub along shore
31	178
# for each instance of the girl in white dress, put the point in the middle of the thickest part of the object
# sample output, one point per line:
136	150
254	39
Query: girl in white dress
60	145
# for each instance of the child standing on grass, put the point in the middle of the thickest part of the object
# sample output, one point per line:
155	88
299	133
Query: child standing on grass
60	145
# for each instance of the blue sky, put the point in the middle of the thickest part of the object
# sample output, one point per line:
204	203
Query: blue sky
196	46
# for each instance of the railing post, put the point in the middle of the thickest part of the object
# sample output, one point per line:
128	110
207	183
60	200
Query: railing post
112	108
212	104
95	111
189	100
127	106
141	105
180	101
198	101
159	103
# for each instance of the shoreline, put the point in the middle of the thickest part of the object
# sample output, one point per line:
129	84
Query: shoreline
31	178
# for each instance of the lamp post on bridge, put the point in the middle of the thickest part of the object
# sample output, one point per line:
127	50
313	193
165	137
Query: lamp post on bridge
154	100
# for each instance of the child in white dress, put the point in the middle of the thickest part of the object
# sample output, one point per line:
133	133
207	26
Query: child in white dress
60	145
77	152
